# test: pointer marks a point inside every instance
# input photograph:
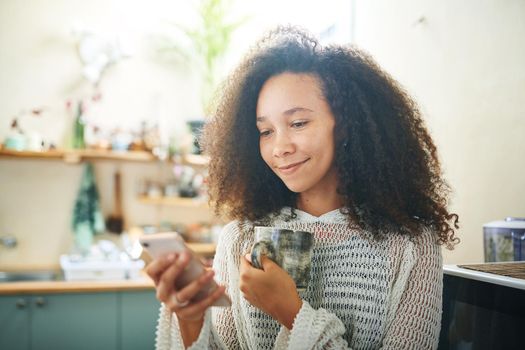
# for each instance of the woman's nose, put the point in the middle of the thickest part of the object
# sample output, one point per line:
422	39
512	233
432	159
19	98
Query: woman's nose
283	145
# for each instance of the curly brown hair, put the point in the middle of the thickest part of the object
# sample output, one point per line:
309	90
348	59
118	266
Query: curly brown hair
389	173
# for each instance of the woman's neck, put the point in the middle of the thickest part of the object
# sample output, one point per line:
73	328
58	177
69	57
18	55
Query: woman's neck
318	204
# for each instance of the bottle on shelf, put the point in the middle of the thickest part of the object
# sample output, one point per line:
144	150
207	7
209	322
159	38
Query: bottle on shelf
78	128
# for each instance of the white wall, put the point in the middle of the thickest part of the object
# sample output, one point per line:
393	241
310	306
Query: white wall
464	62
39	65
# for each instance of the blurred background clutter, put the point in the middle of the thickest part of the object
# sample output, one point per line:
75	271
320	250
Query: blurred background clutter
101	104
101	108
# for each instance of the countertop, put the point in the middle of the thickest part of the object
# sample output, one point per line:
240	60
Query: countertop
61	286
455	270
24	287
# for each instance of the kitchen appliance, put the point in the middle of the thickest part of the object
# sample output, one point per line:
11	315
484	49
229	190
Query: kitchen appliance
504	240
482	310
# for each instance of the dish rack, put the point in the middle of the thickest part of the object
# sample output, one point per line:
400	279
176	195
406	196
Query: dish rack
76	269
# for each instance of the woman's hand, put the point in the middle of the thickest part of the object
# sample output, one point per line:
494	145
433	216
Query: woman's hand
165	271
272	290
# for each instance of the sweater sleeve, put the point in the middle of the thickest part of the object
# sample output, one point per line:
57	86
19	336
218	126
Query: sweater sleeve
416	316
313	329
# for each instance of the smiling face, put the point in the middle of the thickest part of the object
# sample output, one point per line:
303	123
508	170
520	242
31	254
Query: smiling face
296	133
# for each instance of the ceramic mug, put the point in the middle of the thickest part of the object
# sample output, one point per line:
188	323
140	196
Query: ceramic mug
291	250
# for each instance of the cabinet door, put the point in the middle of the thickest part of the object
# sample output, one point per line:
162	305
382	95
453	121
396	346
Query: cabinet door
74	321
139	313
14	322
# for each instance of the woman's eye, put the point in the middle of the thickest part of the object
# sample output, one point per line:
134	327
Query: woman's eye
264	133
299	124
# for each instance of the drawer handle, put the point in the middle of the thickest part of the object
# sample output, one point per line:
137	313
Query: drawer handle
40	302
21	303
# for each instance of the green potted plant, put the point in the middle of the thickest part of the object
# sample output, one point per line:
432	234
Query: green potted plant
210	40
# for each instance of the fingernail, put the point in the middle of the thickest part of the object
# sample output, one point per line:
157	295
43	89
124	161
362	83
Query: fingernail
170	257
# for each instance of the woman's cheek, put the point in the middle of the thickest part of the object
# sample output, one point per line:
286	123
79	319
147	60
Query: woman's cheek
266	153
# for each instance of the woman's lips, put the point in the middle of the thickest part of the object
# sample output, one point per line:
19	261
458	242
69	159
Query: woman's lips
290	168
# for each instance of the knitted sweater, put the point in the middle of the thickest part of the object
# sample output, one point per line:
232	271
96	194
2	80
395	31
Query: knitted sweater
363	293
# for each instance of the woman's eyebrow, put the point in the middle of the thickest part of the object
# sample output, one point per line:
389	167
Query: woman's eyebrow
296	109
288	112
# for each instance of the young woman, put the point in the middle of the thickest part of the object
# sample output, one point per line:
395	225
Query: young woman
317	139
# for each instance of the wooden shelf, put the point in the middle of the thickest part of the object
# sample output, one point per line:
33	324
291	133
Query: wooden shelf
194	160
77	156
175	201
53	154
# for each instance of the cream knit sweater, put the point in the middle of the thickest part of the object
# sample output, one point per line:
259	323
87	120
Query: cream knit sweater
363	293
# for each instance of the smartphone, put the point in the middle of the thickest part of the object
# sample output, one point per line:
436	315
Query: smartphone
159	244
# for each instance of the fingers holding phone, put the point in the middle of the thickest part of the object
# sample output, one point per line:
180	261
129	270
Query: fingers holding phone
191	311
182	298
156	267
169	276
182	282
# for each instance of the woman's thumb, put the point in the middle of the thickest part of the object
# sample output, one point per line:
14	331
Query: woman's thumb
266	262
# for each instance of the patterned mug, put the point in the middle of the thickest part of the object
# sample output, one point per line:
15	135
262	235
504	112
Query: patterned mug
291	250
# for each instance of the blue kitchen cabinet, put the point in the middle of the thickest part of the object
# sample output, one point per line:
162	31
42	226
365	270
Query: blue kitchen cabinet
74	321
138	318
14	322
105	320
59	321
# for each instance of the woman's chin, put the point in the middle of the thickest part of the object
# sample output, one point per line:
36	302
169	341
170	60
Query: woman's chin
294	187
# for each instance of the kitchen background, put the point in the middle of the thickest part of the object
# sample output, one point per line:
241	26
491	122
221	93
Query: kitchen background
463	62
